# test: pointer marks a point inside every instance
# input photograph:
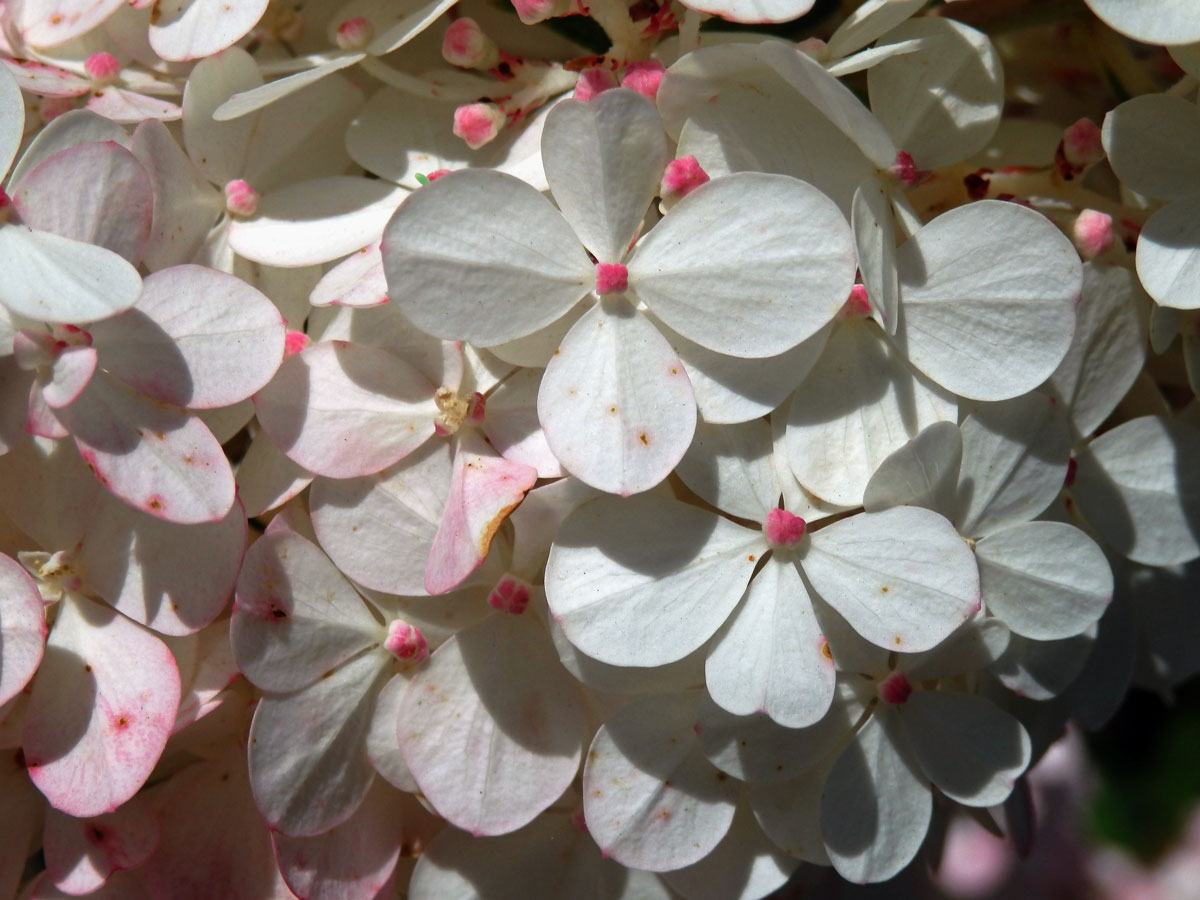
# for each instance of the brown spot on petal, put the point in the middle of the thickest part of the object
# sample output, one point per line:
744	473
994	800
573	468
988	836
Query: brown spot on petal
489	531
884	589
645	440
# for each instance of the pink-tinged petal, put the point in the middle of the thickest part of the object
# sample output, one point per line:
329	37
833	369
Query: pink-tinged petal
82	853
214	670
266	478
307	761
22	628
355	860
41	420
21	812
50	278
378	530
484	489
356	281
198	338
128	107
44	80
69	375
155	457
185	204
344	410
54	22
492	728
193	29
96	193
615	402
296	616
512	424
78	126
172	578
102	710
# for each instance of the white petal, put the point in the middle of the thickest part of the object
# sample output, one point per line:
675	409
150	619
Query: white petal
604	160
408	25
55	279
871	21
194	29
875	808
987	294
1151	142
722	268
483	257
101	710
1168	254
645	581
22	628
971	749
245	102
771	657
730	466
69	375
383	749
924	472
79	126
903	578
650	798
266	478
615	402
682	675
1041	670
875	239
489	737
81	854
1165	22
356	281
1136	484
755	11
129	107
12	119
974	646
512	425
48	24
790	813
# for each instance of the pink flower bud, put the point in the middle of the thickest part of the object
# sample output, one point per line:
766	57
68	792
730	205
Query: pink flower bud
102	68
1092	233
354	34
405	642
896	690
611	278
240	198
510	595
531	12
465	45
1081	143
683	176
593	81
857	305
478	123
644	77
782	529
294	342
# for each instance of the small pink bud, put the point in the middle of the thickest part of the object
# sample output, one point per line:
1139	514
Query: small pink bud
476	408
294	342
1081	143
683	176
593	81
478	123
857	305
895	690
782	529
644	77
405	642
611	278
465	45
906	169
530	12
1092	232
813	46
102	68
354	34
510	595
240	198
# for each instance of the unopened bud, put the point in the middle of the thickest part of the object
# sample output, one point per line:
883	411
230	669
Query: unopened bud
1081	144
478	123
465	45
405	642
644	77
593	81
1092	232
102	68
530	12
240	198
354	34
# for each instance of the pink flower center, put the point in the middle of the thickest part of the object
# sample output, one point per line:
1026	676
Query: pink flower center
405	641
895	690
510	595
611	278
782	529
354	34
906	169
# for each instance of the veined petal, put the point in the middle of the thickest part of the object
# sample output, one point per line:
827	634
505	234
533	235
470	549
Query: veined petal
194	29
924	472
22	628
730	466
12	118
1168	254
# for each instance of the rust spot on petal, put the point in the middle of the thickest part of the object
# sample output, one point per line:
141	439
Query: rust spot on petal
489	531
645	440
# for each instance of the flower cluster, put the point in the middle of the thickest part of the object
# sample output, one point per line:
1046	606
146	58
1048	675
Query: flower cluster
437	460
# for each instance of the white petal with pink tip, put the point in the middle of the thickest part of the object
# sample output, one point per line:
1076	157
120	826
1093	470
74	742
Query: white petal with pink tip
22	628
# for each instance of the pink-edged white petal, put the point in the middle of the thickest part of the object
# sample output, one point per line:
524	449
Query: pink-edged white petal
491	732
646	580
988	293
1151	143
198	338
861	402
356	281
924	472
483	257
69	375
129	107
730	466
172	578
54	22
155	457
604	160
771	656
266	478
22	628
966	745
344	410
315	221
296	617
650	798
378	529
194	29
102	710
1046	580
46	80
902	578
94	193
615	402
941	102
81	853
484	488
78	126
12	118
1108	350
50	278
1014	461
745	865
875	240
875	807
512	425
1168	261
1136	485
307	765
720	269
